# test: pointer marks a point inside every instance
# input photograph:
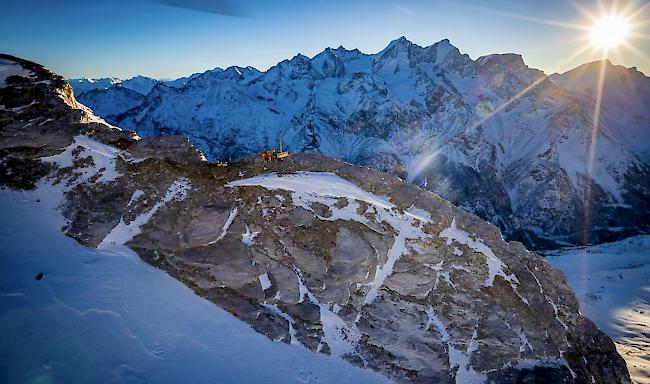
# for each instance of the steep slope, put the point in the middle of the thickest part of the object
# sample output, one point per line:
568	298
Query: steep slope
612	283
474	131
105	316
113	96
111	101
338	259
626	96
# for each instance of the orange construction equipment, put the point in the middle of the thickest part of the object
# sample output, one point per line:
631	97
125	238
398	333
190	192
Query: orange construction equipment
282	154
271	154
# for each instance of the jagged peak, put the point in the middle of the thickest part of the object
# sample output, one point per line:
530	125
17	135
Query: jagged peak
299	58
340	52
441	51
444	43
400	42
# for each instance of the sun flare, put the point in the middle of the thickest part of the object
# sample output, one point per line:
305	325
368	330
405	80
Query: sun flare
609	31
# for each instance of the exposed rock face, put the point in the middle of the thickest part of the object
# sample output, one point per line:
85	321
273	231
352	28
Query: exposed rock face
491	135
340	259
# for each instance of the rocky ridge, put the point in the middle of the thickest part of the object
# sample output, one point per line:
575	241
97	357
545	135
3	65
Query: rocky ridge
341	259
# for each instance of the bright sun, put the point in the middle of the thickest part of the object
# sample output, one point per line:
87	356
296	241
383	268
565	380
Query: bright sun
609	31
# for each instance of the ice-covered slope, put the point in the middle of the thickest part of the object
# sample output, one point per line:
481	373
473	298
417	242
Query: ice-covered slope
612	282
343	260
106	316
462	128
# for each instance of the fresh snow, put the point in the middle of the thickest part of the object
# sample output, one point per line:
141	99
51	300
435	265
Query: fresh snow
122	233
107	316
612	283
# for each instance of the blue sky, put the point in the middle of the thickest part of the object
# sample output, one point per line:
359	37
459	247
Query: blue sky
124	38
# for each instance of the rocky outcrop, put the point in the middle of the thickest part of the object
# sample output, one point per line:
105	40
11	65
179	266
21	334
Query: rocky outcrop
313	251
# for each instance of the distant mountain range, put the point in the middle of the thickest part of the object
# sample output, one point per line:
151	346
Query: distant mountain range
473	131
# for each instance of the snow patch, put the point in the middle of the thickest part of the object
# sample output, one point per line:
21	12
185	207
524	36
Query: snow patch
248	237
137	194
12	68
457	358
325	184
265	282
339	336
122	233
226	225
419	213
495	265
103	157
292	331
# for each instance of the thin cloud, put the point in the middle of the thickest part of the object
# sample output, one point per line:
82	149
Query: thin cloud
216	7
405	10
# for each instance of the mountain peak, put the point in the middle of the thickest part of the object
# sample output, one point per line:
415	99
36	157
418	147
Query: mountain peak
401	42
592	70
299	58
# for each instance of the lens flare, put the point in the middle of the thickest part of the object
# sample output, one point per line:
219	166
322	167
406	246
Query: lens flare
609	31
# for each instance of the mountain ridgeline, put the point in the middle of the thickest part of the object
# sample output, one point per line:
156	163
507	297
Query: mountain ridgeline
473	131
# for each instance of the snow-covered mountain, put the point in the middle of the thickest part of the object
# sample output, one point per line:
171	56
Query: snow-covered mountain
473	131
113	96
314	252
113	100
140	84
626	101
